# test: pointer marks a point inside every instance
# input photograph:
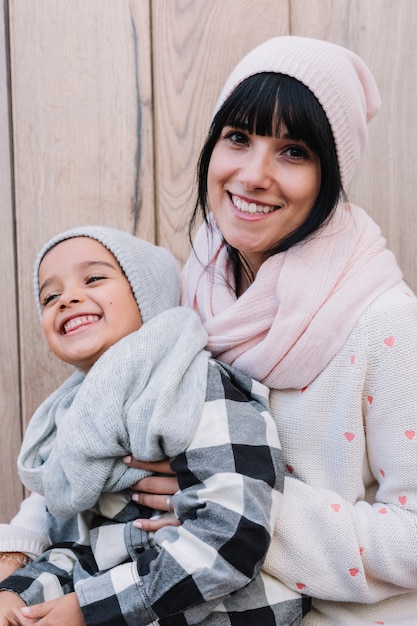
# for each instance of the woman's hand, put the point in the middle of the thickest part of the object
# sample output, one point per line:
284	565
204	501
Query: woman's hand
154	492
64	610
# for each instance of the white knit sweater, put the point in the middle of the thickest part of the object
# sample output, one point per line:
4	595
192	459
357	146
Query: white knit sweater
347	531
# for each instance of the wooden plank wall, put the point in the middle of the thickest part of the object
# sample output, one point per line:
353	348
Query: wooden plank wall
10	407
104	105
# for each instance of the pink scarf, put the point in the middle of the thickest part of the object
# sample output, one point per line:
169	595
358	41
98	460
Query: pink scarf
302	306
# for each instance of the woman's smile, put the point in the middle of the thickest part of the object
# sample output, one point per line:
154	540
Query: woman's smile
251	208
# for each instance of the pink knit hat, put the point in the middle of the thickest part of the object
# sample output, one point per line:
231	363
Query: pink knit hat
339	79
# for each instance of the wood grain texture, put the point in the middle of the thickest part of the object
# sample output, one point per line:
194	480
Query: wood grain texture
195	45
382	32
82	106
10	415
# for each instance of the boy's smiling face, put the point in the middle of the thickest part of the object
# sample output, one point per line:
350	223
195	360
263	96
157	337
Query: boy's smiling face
87	302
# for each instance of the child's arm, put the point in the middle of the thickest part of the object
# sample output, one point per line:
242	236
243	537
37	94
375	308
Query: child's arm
10	562
10	607
51	574
230	478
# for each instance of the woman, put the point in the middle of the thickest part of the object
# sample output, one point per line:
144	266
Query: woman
296	288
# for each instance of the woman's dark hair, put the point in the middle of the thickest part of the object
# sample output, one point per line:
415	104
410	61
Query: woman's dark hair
261	104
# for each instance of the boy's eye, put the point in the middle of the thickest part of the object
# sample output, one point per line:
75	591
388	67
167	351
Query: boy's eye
94	279
49	298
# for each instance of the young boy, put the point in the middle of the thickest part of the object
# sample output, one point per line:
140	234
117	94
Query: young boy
144	384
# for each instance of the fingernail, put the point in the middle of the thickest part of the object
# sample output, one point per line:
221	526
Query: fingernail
135	497
127	460
137	524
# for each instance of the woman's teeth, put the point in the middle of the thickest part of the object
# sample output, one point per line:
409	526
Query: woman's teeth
252	207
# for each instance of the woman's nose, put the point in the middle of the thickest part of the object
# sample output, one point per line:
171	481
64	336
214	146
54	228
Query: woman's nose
255	172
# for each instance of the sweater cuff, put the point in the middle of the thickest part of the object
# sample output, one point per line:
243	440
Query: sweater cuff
17	539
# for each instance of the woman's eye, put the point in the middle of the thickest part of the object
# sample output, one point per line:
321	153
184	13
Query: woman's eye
297	152
237	137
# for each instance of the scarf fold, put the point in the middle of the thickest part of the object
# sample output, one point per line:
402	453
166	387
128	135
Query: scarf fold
143	396
303	304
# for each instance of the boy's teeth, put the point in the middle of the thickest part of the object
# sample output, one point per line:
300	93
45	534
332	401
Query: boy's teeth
79	321
251	207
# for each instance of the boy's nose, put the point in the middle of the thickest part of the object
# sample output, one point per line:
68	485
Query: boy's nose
66	301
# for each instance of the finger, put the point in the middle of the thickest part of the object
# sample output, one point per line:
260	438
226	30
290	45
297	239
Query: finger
159	467
155	524
155	502
14	618
38	610
162	485
27	621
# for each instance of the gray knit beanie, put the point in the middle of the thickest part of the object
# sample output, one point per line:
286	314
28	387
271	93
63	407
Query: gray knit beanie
151	270
339	79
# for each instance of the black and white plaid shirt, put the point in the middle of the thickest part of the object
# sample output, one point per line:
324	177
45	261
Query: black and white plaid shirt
206	571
